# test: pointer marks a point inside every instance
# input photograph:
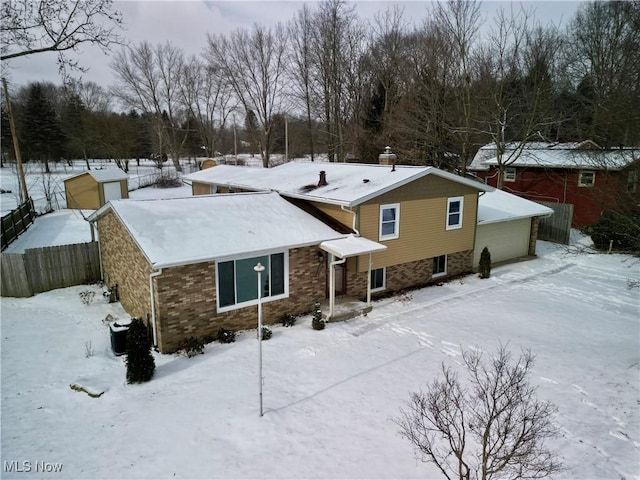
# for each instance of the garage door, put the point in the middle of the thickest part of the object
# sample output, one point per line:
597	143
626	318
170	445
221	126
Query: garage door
112	191
506	240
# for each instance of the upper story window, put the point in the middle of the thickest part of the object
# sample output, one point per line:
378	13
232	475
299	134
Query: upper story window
586	178
510	174
389	221
454	212
237	281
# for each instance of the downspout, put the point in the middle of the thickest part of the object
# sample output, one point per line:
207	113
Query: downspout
332	283
154	328
355	216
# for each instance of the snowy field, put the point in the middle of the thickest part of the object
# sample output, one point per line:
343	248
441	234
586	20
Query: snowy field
330	396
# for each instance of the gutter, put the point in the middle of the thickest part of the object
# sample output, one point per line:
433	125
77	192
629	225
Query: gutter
154	327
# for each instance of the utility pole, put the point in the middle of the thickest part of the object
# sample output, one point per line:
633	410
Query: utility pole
24	194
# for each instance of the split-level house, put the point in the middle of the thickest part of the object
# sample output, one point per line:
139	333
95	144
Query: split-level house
582	174
425	217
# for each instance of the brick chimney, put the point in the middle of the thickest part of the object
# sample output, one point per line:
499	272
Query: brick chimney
387	158
323	179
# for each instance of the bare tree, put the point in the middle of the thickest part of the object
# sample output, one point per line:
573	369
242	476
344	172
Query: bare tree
301	69
459	22
338	45
603	63
253	62
208	98
494	428
509	108
29	27
149	80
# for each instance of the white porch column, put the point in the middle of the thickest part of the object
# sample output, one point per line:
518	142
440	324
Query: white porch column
369	283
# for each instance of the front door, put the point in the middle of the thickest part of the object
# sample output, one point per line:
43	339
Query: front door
341	278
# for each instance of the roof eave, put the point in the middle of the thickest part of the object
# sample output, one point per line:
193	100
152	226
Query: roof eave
231	255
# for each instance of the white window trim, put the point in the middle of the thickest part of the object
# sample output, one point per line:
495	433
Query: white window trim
510	174
395	235
384	280
581	183
250	303
446	265
213	188
449	202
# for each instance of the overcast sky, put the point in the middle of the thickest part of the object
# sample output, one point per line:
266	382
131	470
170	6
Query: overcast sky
186	23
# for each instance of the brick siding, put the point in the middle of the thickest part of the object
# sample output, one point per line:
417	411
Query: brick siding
124	264
187	299
406	275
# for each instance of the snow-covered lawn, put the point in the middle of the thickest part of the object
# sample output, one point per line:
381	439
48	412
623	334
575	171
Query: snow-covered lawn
330	396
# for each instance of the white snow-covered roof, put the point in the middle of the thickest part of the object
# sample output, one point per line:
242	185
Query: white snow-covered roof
351	246
501	206
197	229
348	184
583	155
103	175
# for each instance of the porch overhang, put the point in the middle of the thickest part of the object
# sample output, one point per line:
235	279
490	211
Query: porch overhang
342	249
351	246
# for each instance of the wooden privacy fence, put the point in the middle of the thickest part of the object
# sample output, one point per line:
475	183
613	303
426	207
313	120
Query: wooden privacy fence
16	222
557	227
42	269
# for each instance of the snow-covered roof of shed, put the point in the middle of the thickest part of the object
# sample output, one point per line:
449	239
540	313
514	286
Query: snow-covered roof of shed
104	175
197	229
347	183
501	206
558	155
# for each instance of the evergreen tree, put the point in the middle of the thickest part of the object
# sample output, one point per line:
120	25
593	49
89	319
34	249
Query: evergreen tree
73	117
317	322
140	362
40	130
485	263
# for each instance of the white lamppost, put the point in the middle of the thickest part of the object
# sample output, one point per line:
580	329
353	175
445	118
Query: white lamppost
259	268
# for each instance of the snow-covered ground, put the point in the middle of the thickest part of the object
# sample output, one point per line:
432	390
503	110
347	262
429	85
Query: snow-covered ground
330	396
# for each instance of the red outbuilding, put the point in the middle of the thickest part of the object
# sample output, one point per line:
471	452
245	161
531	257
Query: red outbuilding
589	177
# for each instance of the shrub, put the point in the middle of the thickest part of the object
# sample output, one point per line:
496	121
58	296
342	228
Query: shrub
266	333
226	336
288	320
485	263
87	296
619	229
140	362
192	346
317	322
